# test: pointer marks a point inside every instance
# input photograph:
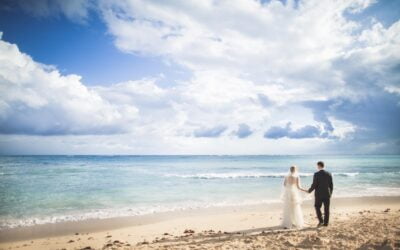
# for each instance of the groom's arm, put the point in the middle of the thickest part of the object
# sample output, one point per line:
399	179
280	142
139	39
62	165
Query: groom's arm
314	184
330	183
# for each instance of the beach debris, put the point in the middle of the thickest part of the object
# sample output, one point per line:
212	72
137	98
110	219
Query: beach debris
87	248
144	242
90	238
70	241
288	243
76	233
208	231
387	210
247	241
310	241
108	236
109	245
166	234
188	231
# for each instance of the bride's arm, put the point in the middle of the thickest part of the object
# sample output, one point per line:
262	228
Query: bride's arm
284	182
298	184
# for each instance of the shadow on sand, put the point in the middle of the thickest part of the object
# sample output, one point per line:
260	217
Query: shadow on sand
210	236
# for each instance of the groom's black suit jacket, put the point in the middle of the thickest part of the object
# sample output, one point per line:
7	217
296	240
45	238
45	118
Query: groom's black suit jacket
322	184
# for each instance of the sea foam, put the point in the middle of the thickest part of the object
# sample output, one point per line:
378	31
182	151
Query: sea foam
236	175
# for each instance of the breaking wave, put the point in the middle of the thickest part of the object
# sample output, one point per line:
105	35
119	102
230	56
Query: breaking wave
247	175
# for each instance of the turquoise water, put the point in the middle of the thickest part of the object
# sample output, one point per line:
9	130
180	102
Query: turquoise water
43	189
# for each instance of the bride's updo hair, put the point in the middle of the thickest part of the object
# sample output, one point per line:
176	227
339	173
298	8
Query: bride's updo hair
293	169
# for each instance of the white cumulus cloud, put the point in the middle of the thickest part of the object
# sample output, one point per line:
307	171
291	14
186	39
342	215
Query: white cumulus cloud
37	99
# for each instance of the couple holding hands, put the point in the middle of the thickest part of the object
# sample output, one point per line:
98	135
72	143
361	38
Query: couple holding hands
323	187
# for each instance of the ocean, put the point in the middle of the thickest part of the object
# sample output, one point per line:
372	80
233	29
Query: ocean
49	189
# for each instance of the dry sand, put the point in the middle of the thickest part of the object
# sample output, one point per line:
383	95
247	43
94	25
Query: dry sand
357	223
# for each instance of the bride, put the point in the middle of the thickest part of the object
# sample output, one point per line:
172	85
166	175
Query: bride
292	213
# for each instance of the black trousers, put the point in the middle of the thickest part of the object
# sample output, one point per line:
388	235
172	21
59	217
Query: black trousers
318	205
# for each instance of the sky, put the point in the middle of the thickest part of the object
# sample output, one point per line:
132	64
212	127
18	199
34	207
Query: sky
199	77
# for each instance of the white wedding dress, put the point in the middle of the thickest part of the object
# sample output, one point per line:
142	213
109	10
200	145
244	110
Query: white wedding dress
292	213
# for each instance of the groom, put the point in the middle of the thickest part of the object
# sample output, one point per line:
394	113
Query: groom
323	186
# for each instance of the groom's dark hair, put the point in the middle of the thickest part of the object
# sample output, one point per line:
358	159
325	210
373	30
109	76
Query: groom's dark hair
321	164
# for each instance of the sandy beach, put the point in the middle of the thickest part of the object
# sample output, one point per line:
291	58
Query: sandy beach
366	223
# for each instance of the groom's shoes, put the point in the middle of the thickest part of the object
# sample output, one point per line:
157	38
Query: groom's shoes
320	224
325	225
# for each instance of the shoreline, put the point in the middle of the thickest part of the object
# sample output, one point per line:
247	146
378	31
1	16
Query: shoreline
106	224
148	227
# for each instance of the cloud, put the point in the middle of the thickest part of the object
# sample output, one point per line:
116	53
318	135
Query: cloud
308	50
37	99
320	114
376	117
210	132
307	131
277	132
195	34
259	48
264	100
305	47
75	10
243	131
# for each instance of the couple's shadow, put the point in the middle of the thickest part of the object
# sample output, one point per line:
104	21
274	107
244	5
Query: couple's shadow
205	237
271	230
